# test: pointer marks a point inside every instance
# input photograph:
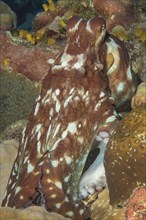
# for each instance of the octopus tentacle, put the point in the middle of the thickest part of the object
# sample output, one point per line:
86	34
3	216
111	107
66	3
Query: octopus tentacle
94	179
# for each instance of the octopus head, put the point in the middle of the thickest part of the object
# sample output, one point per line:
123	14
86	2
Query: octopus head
85	33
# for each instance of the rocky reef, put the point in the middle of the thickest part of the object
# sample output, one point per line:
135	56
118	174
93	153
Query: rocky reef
17	55
140	97
8	18
33	213
101	208
17	97
49	28
136	205
8	150
125	156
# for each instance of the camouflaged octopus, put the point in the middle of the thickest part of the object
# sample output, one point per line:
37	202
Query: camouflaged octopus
75	108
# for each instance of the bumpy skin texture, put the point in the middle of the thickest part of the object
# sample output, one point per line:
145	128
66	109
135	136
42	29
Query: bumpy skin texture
136	205
73	108
125	156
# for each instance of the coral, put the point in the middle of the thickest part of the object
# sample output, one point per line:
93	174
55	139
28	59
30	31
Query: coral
140	97
83	9
48	25
140	32
8	150
14	130
136	205
116	12
50	6
51	23
125	156
42	19
138	56
17	95
8	18
101	209
31	61
26	35
120	32
33	213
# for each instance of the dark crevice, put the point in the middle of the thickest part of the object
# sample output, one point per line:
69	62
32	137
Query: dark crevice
91	158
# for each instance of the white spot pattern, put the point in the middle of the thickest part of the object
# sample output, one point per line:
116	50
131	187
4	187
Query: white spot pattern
112	48
54	163
30	167
58	184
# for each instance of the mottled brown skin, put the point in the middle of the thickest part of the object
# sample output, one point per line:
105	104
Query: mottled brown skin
125	156
122	81
39	174
73	108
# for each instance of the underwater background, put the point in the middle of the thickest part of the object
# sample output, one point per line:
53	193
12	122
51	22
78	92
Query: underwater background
25	11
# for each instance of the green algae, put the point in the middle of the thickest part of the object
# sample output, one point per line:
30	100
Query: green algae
17	95
83	8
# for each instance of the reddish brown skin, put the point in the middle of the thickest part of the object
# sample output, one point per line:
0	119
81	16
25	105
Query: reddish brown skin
121	75
32	186
73	106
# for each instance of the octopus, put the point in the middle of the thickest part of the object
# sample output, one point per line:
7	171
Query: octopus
74	113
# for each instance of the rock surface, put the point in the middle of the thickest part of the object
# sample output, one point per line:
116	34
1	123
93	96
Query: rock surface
136	205
8	18
17	55
33	213
125	156
8	150
17	97
101	209
118	12
140	97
